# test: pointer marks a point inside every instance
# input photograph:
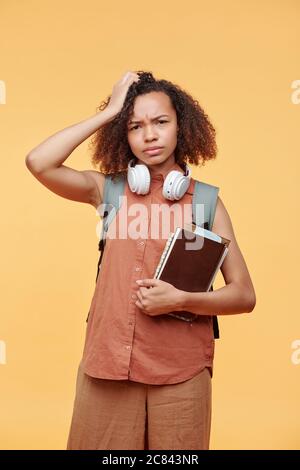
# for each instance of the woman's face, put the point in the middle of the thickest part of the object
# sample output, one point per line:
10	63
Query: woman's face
156	127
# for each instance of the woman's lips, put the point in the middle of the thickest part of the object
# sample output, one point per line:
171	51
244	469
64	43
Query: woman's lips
154	152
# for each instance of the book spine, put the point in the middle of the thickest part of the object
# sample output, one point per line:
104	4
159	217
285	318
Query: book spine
189	317
168	243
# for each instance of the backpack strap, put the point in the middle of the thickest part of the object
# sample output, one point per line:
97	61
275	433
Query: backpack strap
109	207
206	194
113	190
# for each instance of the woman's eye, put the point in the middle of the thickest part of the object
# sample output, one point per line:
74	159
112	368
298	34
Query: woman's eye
135	127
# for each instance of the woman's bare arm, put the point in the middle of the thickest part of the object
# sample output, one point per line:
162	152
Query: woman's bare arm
238	296
45	161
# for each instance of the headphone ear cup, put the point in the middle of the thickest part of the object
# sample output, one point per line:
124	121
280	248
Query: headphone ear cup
138	178
175	185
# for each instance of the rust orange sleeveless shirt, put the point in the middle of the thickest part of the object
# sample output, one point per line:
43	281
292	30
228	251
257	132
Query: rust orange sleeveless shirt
121	341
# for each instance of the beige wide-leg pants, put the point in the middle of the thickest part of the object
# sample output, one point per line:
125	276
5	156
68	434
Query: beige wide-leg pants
122	414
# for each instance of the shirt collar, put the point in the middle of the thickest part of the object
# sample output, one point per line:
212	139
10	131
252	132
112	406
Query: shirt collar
162	175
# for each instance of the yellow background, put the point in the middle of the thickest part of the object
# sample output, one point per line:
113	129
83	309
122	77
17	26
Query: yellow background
59	59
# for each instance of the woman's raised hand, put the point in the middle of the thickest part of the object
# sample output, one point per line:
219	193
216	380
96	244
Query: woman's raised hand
120	91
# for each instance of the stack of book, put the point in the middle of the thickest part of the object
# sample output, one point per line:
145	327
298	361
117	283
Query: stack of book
190	261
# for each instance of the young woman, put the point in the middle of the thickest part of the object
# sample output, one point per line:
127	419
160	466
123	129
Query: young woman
144	381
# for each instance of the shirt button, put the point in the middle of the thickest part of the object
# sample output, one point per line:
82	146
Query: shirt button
127	347
137	269
133	296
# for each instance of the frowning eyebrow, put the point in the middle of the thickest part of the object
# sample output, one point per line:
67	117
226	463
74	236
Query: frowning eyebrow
137	122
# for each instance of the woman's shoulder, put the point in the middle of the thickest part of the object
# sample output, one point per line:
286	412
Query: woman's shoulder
99	181
205	183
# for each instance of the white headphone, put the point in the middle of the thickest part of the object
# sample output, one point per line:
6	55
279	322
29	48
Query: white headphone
175	184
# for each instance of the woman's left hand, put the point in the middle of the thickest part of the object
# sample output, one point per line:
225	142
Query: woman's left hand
156	297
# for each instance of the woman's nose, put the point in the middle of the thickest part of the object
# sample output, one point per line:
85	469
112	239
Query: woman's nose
149	132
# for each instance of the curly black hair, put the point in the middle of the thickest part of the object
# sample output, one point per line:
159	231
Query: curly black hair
195	139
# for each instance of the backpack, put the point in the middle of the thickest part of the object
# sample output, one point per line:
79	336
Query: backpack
204	193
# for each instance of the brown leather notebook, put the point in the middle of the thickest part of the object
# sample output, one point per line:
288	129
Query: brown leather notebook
190	261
